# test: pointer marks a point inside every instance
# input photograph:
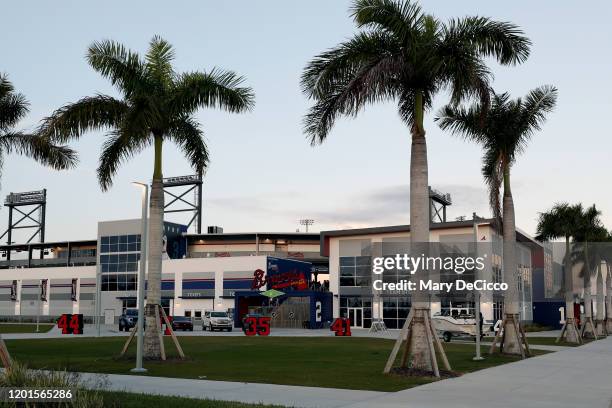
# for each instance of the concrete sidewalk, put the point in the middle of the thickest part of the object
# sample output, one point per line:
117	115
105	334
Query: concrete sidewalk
283	395
572	378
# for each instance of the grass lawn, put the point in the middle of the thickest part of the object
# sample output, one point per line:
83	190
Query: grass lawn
550	341
352	363
24	327
131	400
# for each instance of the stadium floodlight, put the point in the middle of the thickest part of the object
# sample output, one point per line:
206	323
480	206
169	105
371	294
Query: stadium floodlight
141	277
306	222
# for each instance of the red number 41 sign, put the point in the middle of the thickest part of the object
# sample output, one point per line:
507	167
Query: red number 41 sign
341	327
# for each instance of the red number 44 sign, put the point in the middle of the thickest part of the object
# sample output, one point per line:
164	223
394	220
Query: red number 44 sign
71	323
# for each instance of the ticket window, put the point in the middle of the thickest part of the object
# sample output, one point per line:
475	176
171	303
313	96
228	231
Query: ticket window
197	314
187	313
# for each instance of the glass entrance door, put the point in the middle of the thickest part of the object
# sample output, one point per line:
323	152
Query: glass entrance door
355	315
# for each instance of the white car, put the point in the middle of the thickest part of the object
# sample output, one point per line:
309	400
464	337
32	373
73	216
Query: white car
212	320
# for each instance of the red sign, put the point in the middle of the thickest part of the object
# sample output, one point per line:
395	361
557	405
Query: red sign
259	279
71	323
341	326
293	279
257	325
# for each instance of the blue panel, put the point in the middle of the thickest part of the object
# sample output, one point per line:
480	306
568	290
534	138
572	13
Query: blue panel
167	285
198	284
237	283
287	274
547	313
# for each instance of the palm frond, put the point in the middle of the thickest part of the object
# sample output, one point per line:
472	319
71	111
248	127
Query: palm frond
343	80
90	113
536	105
402	19
119	147
122	67
186	133
215	89
13	107
340	64
6	87
501	40
39	149
159	61
462	121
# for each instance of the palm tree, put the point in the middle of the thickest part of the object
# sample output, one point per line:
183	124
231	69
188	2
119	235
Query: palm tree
562	221
406	56
590	230
13	107
503	129
157	106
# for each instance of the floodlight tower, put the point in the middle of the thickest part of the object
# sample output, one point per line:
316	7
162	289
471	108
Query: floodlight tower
306	222
180	201
26	205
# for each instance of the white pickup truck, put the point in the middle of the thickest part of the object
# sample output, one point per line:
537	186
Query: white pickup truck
213	320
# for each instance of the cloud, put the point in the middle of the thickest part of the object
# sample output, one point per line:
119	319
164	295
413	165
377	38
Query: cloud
387	205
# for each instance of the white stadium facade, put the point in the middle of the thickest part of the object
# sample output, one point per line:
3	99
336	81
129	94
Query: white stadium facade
205	271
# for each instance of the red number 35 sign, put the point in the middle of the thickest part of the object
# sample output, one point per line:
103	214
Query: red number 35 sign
71	323
257	325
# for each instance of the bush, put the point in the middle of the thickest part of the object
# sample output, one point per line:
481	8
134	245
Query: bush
20	376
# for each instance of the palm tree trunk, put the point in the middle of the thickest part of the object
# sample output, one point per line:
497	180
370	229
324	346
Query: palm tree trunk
587	296
419	236
152	348
600	302
571	335
512	343
608	298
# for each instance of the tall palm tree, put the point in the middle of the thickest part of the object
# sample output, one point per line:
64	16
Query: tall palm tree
157	106
13	108
562	221
503	129
406	56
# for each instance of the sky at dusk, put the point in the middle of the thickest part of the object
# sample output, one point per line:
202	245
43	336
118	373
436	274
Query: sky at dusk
263	174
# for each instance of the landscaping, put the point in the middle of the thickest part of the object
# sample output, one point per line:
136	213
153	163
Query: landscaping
24	327
350	363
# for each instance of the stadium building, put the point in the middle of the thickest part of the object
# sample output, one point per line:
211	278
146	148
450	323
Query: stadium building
323	276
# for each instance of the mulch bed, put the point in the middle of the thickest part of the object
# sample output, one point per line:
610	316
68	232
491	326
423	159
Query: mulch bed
414	372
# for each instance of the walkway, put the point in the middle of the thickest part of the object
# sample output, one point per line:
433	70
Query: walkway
572	378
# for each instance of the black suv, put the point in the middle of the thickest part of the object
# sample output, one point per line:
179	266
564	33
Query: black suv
128	319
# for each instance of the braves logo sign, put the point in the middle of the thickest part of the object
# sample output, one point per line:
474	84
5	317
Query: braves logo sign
259	279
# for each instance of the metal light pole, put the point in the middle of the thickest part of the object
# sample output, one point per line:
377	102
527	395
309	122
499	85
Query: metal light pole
141	277
478	357
306	222
38	305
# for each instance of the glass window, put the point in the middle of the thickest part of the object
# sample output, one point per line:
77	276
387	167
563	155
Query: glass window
363	260
131	282
347	281
104	241
347	261
113	240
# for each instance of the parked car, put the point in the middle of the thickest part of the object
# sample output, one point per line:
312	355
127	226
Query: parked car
216	320
182	323
128	319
